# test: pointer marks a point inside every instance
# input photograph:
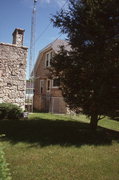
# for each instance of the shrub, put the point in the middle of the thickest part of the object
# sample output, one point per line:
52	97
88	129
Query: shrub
3	110
4	170
10	111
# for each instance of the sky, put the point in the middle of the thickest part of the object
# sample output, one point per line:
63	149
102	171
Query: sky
17	14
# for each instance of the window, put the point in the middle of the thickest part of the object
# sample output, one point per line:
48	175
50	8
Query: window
56	82
41	86
48	59
50	55
48	84
29	91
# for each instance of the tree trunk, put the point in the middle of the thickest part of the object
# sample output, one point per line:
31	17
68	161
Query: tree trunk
94	122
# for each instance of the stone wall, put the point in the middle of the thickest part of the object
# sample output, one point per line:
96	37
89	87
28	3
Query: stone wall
13	74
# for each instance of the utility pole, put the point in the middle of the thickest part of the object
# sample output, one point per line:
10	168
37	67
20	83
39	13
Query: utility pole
32	54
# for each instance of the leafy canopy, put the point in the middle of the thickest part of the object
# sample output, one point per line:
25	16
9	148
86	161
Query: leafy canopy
89	73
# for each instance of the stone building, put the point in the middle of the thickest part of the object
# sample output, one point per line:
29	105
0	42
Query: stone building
47	95
13	70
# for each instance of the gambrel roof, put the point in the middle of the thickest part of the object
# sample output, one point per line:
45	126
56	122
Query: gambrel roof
55	45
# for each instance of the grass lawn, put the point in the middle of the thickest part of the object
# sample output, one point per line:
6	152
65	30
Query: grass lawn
58	147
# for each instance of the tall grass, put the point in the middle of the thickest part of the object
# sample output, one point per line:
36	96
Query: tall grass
4	170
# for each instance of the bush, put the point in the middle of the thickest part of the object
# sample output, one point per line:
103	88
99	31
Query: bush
4	171
3	110
10	111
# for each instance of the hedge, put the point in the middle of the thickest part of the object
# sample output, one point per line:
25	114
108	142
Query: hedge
10	111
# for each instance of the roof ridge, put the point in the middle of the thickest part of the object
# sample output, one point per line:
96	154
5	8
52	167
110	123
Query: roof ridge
50	44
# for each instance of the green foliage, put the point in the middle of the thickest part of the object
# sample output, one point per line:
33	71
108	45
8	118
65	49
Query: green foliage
4	170
10	111
89	72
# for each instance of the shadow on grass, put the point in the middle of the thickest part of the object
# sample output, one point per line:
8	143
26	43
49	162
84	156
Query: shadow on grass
45	132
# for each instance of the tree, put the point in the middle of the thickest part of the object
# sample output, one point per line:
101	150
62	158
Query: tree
89	72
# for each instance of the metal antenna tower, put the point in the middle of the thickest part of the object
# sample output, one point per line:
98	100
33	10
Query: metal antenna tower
32	54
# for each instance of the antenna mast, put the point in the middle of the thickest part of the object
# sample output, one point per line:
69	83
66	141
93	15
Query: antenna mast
32	54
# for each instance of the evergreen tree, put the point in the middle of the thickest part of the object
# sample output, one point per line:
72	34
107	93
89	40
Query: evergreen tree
89	72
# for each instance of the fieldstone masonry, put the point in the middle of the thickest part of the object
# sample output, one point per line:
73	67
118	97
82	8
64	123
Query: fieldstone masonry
13	70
